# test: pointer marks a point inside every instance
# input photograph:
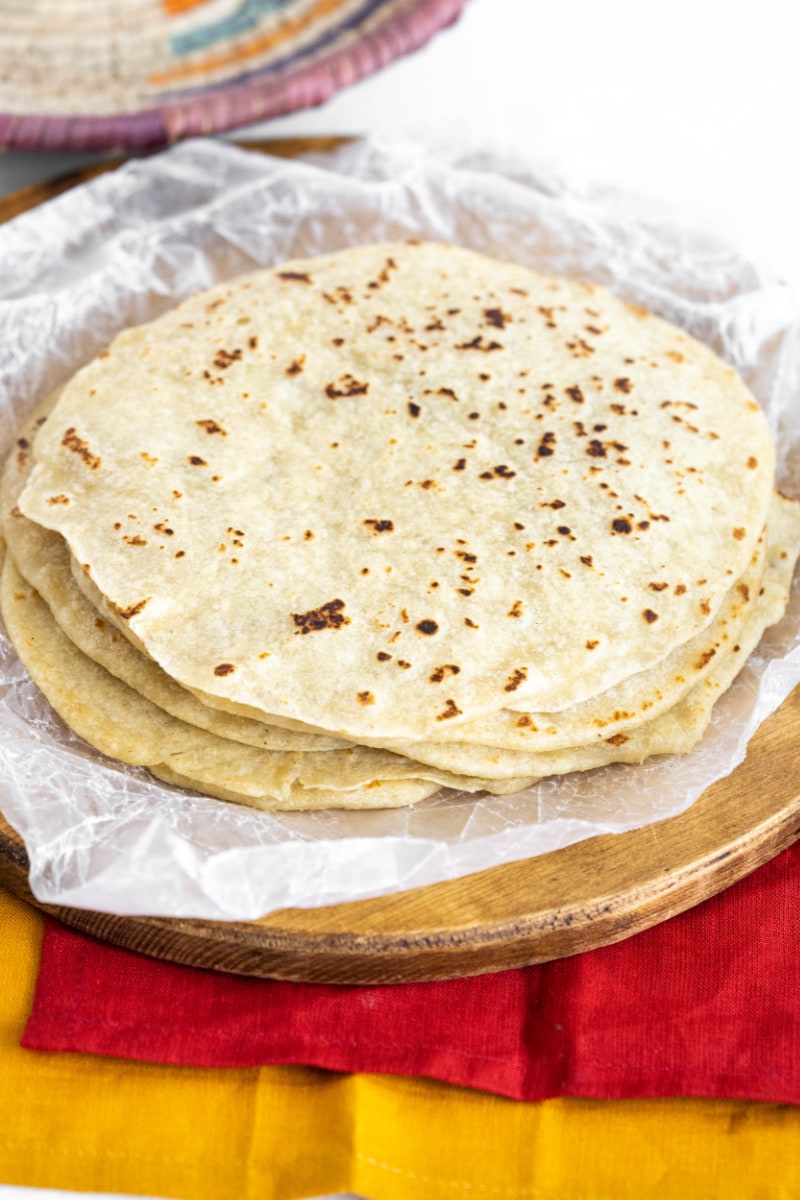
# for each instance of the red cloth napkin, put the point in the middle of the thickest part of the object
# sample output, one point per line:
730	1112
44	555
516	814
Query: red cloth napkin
707	1004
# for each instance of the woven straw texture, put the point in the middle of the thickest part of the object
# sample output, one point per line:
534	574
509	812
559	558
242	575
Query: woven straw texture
132	74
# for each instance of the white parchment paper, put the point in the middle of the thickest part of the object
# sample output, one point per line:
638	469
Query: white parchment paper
124	248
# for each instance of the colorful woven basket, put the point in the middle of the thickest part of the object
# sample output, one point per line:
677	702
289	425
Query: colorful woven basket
132	74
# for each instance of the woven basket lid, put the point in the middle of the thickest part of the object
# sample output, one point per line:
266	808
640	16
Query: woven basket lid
131	74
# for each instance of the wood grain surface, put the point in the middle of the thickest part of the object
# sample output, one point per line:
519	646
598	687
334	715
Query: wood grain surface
588	895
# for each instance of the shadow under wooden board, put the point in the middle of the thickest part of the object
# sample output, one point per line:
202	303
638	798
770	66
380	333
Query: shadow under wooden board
587	895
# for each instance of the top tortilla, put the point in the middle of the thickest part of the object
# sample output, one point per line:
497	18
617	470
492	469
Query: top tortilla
405	485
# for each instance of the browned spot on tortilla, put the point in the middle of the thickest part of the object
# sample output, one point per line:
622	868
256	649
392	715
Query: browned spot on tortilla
346	385
365	698
327	616
619	739
132	610
211	426
78	446
518	676
451	710
224	668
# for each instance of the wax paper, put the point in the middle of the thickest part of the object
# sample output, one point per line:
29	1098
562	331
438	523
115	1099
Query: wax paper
129	245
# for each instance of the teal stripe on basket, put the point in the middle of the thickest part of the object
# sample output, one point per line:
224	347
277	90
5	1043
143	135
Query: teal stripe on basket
242	21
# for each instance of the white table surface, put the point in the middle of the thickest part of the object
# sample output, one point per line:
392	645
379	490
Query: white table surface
694	104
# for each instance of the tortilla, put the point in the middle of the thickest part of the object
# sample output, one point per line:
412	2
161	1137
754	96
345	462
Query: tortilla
472	489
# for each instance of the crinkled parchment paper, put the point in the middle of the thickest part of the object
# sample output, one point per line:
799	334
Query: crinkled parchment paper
126	247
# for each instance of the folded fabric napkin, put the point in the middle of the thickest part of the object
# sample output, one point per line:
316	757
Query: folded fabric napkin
86	1123
706	1004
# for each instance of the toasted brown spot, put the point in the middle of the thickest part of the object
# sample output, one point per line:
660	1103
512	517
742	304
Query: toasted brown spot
78	446
650	616
623	384
224	669
296	367
439	673
379	526
382	656
327	616
591	645
619	739
226	358
295	276
346	385
451	710
133	609
518	676
739	533
621	525
365	698
496	317
752	463
196	460
515	610
59	499
427	626
212	426
704	659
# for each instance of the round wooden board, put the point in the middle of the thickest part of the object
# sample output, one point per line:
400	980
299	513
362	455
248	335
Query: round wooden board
588	895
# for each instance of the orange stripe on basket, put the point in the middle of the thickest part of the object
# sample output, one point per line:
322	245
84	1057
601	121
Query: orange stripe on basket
173	7
267	41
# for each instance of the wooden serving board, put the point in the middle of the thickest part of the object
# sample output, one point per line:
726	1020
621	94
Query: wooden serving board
588	895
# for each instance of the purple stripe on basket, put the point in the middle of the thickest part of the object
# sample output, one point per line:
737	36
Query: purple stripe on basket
236	103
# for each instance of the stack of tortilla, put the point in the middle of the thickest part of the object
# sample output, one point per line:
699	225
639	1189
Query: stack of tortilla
356	528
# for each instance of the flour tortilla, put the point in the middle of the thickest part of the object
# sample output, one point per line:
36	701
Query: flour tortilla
118	721
546	456
43	559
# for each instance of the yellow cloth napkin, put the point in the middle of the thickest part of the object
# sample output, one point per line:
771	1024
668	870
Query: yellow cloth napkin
80	1123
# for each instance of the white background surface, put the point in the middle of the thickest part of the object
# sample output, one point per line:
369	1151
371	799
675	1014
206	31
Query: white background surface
695	104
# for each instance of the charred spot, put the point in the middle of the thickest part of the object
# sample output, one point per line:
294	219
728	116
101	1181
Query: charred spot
439	673
346	386
196	461
224	669
705	658
78	446
623	384
132	610
427	626
295	276
451	710
658	587
596	449
413	409
496	317
621	525
135	540
546	445
587	560
478	343
565	529
460	464
252	342
650	616
365	698
575	394
515	610
379	525
226	358
517	676
296	367
212	427
327	616
382	656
